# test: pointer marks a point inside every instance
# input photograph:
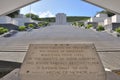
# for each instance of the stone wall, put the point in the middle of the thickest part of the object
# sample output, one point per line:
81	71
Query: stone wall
107	21
5	19
112	26
22	21
116	19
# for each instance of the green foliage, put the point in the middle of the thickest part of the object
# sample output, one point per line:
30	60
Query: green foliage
75	24
40	24
79	24
100	28
13	14
89	26
31	26
76	18
22	28
33	16
52	19
117	29
3	30
107	12
43	24
69	19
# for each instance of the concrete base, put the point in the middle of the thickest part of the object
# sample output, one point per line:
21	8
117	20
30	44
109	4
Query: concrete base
14	75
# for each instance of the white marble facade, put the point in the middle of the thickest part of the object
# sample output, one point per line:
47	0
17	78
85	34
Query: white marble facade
101	15
108	21
115	18
98	18
7	20
61	19
19	20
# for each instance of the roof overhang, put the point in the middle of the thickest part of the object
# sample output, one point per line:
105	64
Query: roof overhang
8	6
110	5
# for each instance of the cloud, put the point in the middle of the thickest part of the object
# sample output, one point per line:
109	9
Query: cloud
45	14
33	12
42	14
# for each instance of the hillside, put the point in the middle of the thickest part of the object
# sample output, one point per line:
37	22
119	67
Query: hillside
69	18
76	18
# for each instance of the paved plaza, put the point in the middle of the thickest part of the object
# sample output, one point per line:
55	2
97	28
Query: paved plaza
14	48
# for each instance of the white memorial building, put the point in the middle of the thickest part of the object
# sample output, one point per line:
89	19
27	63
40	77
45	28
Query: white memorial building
9	6
113	19
107	21
61	19
21	19
116	18
99	18
7	20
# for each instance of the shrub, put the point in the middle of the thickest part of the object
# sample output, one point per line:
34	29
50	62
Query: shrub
100	28
43	24
46	23
31	26
89	26
117	29
3	30
80	24
22	28
40	24
74	23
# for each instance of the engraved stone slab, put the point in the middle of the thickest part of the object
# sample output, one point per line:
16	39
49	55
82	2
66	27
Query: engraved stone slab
62	62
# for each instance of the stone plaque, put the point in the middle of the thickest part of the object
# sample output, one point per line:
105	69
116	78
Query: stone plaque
62	62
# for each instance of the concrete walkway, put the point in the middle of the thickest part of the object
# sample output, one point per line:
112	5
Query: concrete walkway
108	46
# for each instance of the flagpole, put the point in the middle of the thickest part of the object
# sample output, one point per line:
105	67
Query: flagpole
30	12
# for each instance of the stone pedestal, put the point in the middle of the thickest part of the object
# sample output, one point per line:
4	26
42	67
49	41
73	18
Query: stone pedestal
62	62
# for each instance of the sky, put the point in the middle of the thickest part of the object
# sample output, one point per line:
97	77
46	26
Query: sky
49	8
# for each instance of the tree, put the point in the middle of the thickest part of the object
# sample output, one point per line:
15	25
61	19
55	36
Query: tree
33	16
13	14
